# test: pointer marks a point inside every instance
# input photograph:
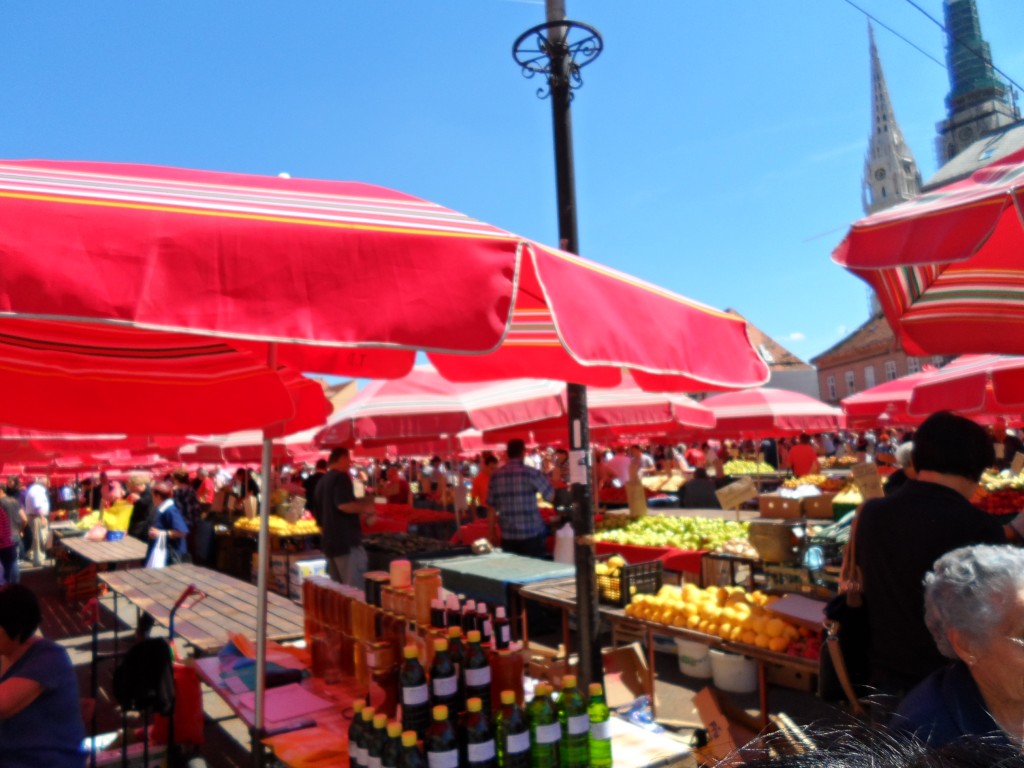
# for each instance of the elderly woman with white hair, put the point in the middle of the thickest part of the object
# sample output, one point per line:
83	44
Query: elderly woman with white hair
905	471
974	608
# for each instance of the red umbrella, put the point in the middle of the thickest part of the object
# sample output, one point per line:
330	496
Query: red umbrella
974	385
768	412
885	403
948	266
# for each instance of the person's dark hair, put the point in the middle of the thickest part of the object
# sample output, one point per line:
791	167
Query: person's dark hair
321	464
516	448
700	473
180	475
20	614
804	437
163	490
490	459
337	453
952	445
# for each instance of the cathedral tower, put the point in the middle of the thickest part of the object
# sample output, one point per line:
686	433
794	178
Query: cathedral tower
979	101
890	172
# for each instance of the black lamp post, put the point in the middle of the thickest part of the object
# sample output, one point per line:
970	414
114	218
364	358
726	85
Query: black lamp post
558	49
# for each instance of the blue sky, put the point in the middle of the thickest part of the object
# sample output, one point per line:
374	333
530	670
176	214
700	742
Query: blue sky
719	145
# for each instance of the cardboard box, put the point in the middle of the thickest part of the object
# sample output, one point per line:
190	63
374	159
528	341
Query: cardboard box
625	671
818	507
774	505
788	677
734	738
302	570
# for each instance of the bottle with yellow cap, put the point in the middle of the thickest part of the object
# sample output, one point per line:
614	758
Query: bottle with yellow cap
512	733
477	737
359	751
600	732
375	740
545	730
411	756
476	671
355	733
444	678
415	693
392	745
441	744
575	721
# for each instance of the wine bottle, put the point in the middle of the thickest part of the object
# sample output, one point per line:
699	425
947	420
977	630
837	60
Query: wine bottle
444	678
363	737
355	731
457	650
545	730
478	737
600	731
512	733
441	744
477	671
375	741
415	693
411	755
574	719
392	750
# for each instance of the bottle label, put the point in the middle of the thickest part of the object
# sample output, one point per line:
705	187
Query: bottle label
601	731
445	686
480	753
373	762
488	630
360	755
549	734
517	743
479	677
419	694
449	759
506	634
578	724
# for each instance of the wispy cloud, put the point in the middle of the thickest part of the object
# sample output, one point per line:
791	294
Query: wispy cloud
797	336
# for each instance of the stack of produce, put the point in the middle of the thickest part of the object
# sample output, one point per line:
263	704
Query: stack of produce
403	543
745	467
842	462
691	533
1000	493
730	613
826	484
278	526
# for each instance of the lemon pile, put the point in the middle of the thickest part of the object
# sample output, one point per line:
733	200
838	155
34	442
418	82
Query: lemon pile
609	577
730	613
278	526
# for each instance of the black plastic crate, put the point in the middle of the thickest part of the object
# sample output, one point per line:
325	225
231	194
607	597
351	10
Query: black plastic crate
635	579
831	550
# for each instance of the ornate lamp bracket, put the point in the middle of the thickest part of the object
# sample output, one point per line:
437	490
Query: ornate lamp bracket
559	50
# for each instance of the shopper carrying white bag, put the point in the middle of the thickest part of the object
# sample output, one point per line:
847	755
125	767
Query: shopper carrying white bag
158	554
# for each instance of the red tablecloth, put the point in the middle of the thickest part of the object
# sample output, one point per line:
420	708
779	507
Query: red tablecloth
685	560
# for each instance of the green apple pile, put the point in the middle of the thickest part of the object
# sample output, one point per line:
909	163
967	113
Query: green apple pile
746	467
671	531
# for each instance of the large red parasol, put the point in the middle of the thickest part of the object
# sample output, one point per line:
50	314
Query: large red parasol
769	412
948	266
887	403
978	386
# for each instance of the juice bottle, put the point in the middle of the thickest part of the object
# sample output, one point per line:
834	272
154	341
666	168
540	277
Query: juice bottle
392	750
375	741
575	721
545	730
502	629
356	734
512	733
411	755
441	744
478	737
438	620
415	693
483	623
363	738
453	612
476	671
600	732
444	678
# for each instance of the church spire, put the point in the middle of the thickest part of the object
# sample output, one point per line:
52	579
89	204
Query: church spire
890	172
979	101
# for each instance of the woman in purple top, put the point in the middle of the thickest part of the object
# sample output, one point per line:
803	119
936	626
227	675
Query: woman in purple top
40	714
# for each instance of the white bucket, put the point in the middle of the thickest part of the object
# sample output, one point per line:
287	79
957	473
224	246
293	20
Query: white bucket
733	673
693	658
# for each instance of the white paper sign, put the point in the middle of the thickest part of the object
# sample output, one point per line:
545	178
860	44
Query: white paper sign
734	494
869	482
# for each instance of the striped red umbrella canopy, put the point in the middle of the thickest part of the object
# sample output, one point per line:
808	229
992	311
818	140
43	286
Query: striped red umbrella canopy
974	385
948	265
885	403
341	277
770	412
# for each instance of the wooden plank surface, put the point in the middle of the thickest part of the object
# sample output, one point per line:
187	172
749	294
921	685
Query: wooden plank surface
229	606
125	550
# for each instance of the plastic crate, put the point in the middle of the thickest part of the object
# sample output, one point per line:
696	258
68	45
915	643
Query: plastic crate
635	579
831	549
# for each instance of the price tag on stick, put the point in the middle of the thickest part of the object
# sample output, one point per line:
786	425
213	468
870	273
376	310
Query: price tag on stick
869	482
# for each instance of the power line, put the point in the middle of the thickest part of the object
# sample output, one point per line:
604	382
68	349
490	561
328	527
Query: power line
885	26
960	40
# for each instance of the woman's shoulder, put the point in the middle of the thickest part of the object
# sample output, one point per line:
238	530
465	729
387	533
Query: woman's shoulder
945	706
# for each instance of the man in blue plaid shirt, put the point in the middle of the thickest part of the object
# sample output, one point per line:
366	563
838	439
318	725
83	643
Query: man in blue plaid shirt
513	492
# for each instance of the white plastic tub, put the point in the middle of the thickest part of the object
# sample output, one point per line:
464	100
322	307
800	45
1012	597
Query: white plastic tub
693	658
732	672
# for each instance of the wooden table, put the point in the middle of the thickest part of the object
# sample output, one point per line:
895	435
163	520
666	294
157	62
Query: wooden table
111	553
229	606
561	594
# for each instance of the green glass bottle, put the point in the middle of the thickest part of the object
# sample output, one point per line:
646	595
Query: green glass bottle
441	743
575	721
476	671
375	741
392	746
411	756
355	735
512	733
478	737
545	730
412	680
600	731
